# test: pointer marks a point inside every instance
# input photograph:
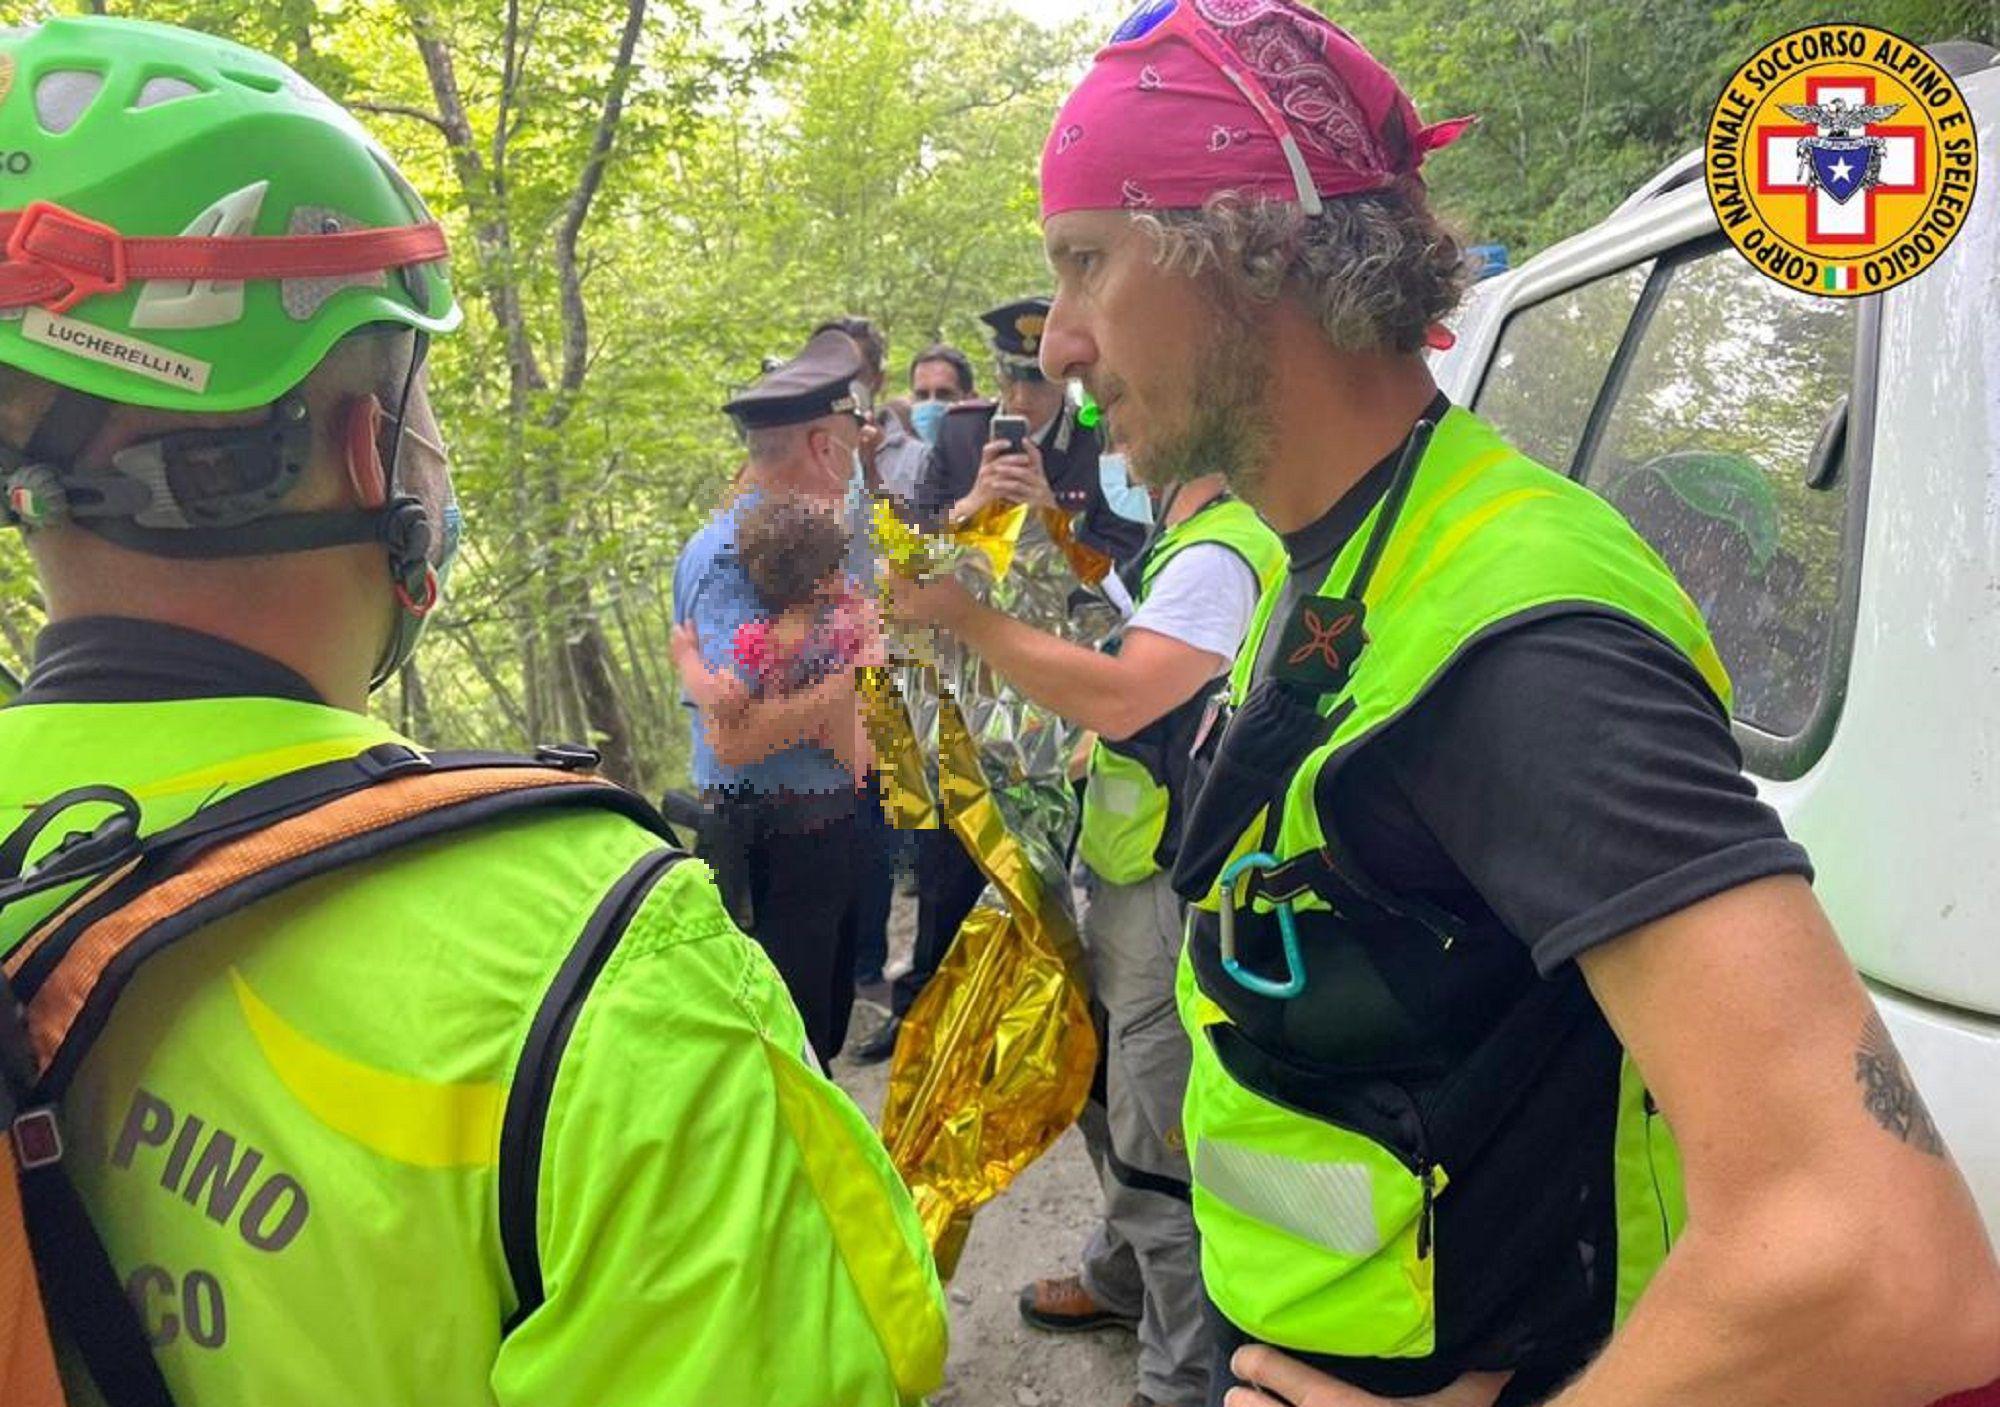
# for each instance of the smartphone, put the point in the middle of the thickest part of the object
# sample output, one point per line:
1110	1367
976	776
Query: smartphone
1011	428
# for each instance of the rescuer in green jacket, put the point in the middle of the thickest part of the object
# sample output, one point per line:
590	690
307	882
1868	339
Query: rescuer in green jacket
289	1137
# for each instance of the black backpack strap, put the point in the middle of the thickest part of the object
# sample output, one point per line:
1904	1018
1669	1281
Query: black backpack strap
525	1118
79	1287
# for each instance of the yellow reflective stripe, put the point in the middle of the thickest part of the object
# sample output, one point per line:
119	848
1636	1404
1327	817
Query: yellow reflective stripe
1411	532
260	766
1709	661
889	1272
425	1123
1454	538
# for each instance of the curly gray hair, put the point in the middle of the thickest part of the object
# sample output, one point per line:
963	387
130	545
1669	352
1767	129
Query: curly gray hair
1375	270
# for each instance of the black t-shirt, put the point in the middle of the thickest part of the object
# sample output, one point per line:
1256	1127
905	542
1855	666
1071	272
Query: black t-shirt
1572	778
1566	781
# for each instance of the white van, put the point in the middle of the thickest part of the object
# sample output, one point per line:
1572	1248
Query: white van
1824	476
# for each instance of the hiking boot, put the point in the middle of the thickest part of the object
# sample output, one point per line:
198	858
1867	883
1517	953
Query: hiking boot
1063	1306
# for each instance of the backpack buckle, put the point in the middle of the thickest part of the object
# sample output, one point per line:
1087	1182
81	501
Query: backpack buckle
569	757
386	760
37	1138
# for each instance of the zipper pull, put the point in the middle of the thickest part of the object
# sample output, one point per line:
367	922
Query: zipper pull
1424	1220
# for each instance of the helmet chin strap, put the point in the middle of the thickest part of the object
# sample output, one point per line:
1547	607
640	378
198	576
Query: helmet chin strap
407	536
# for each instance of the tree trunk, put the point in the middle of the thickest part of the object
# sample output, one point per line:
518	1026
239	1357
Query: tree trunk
643	666
416	704
19	644
566	649
527	726
611	733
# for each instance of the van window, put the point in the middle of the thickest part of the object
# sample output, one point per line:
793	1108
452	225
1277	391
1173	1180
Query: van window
1550	364
1707	449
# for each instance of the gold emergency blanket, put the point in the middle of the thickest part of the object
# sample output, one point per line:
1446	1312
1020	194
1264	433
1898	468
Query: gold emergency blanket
996	1056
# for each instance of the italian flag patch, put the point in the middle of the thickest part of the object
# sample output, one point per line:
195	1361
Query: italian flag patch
1838	278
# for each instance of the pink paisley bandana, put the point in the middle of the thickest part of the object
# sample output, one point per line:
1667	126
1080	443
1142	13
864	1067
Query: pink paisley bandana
1193	97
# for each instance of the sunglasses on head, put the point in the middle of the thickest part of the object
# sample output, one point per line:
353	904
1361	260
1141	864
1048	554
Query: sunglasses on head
1156	20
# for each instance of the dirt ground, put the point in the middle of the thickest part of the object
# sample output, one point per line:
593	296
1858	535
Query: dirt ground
1037	1227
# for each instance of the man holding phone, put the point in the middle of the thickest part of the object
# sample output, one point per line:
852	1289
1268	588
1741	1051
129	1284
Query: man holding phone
1026	447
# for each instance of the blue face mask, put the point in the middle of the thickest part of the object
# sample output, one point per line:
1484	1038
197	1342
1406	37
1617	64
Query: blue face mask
927	419
1128	500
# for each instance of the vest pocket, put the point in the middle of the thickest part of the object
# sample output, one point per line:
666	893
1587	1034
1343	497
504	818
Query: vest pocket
1316	1228
1124	817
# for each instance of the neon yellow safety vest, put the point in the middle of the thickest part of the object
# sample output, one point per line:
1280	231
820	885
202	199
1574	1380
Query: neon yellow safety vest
1133	801
1317	1227
288	1134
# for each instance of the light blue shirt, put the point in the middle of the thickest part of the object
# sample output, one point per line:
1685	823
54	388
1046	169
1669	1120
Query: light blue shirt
712	590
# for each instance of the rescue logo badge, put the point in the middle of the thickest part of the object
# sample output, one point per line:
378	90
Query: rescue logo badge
1322	639
1841	160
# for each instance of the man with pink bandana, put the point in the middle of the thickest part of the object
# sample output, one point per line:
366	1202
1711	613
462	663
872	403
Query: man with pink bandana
1526	1067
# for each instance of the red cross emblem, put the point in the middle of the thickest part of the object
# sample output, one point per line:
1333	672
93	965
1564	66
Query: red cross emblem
1780	170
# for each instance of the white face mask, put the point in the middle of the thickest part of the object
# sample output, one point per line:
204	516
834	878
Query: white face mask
1128	500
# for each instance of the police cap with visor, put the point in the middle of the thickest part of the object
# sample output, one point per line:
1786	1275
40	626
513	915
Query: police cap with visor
826	378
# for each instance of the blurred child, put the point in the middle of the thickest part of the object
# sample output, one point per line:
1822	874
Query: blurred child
816	620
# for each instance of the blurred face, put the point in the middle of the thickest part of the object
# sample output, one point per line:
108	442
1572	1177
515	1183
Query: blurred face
1038	402
1182	376
832	443
935	381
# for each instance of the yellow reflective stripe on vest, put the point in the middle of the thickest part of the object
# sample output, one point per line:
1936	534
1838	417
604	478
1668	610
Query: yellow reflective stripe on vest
258	767
1411	530
891	1275
1448	545
1329	1204
424	1123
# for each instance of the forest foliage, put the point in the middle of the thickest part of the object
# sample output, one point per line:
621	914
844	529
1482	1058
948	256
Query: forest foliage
646	197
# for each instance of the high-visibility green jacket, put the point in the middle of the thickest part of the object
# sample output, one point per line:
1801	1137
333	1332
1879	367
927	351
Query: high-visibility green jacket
1325	1184
1134	799
289	1132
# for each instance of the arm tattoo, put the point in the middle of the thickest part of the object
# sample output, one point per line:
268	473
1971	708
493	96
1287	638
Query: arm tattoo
1888	1093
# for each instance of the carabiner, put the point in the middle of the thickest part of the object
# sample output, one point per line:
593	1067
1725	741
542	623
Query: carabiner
1288	933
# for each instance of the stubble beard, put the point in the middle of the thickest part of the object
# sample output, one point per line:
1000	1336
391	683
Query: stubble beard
1227	430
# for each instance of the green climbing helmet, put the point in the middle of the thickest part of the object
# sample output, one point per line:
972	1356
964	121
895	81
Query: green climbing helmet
190	225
